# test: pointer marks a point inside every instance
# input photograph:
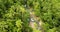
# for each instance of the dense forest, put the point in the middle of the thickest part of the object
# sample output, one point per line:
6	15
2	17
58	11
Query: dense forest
29	15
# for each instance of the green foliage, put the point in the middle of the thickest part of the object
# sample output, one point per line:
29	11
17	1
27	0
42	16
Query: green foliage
18	23
14	16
